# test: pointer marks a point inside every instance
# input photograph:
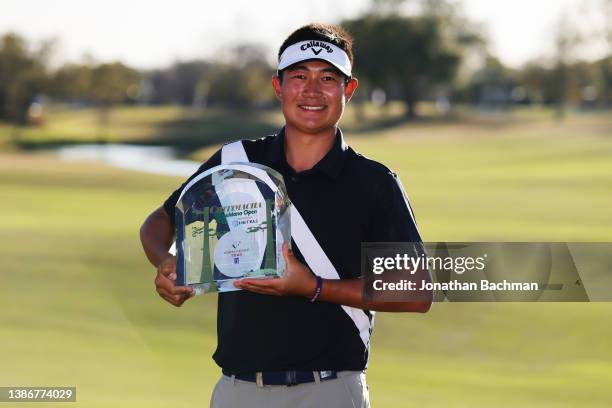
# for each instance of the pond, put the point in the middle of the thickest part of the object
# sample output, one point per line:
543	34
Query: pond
149	159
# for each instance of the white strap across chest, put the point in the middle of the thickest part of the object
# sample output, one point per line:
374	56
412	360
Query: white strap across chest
315	257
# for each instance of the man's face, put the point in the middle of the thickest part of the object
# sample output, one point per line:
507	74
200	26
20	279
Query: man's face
313	95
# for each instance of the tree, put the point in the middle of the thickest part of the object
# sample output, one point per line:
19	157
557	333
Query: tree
605	65
607	10
492	85
109	86
241	87
71	82
566	40
403	55
110	82
22	76
539	82
242	79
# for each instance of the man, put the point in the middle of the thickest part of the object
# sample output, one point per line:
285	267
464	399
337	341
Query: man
303	341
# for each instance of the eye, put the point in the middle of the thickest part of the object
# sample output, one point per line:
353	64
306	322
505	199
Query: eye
328	78
298	76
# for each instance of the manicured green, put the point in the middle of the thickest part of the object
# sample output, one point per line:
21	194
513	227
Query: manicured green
79	306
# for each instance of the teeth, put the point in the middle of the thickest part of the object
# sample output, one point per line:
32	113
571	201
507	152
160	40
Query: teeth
312	108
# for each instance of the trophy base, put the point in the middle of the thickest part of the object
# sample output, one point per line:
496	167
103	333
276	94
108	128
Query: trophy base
227	285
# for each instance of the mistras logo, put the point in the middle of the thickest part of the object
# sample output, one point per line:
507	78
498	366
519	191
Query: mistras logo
318	44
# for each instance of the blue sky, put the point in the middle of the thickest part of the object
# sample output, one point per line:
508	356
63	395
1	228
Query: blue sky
155	33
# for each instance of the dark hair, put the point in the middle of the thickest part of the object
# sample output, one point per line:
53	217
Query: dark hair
323	32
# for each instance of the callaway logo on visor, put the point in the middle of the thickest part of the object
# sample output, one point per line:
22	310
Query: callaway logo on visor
312	44
314	49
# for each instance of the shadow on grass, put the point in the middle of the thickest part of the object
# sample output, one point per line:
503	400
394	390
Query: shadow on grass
186	133
192	130
377	125
201	130
38	145
497	121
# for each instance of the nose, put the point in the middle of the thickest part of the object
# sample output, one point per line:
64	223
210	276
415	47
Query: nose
312	87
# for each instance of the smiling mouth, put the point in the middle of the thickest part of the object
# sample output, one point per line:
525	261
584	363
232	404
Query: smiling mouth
312	108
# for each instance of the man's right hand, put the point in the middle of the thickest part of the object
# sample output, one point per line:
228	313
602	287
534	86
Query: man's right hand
165	283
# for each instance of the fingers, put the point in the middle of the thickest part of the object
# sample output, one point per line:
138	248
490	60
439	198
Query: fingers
171	290
261	290
183	290
175	300
163	283
263	286
288	254
166	288
168	268
178	297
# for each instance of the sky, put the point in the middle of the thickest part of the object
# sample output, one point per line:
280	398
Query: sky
153	34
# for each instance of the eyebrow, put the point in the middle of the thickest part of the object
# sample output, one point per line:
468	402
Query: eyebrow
303	67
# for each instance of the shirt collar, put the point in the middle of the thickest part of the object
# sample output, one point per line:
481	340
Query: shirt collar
331	164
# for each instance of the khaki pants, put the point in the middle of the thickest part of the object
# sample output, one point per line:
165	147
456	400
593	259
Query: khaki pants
349	390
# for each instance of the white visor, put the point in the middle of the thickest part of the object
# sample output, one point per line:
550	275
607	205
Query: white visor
315	49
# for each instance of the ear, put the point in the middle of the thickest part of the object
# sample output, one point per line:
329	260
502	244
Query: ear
276	85
350	88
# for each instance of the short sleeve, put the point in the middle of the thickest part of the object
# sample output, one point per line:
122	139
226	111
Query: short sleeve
171	201
392	219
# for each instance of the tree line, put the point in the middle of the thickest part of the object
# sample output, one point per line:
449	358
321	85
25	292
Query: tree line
411	58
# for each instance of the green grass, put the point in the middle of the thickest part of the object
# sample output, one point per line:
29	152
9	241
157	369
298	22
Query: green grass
507	180
79	307
167	125
182	127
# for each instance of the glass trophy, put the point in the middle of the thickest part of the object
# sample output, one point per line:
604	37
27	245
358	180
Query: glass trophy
231	223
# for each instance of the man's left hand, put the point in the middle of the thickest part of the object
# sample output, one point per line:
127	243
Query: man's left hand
298	280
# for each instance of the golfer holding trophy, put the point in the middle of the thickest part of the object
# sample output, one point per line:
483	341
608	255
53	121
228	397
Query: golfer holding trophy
275	226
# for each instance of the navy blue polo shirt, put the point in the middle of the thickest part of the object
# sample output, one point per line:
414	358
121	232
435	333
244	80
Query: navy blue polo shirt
345	199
